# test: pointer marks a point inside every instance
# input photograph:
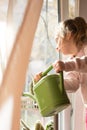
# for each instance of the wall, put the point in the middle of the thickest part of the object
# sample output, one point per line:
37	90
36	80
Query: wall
83	8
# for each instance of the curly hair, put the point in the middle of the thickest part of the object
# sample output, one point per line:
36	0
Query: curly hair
77	27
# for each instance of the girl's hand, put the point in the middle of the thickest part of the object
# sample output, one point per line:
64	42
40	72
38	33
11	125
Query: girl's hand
58	66
37	77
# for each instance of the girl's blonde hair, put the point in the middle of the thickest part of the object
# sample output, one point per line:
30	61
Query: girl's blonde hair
77	27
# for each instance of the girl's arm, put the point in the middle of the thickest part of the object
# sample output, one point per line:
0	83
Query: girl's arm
77	64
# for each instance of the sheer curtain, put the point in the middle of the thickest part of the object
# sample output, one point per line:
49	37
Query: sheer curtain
14	70
11	16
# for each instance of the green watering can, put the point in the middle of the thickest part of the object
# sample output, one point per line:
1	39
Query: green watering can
50	94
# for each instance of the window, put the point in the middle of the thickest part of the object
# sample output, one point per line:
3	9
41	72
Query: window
43	54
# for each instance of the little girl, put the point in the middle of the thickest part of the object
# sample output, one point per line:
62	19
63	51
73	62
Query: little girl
71	39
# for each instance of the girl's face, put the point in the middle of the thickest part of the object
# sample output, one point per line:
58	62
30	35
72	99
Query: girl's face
66	46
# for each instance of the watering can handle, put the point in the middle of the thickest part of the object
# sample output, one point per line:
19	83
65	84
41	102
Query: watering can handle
47	70
61	74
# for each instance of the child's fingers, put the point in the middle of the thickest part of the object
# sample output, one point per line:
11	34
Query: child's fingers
38	77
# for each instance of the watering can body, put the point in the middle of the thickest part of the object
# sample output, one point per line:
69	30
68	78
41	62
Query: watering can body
50	94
